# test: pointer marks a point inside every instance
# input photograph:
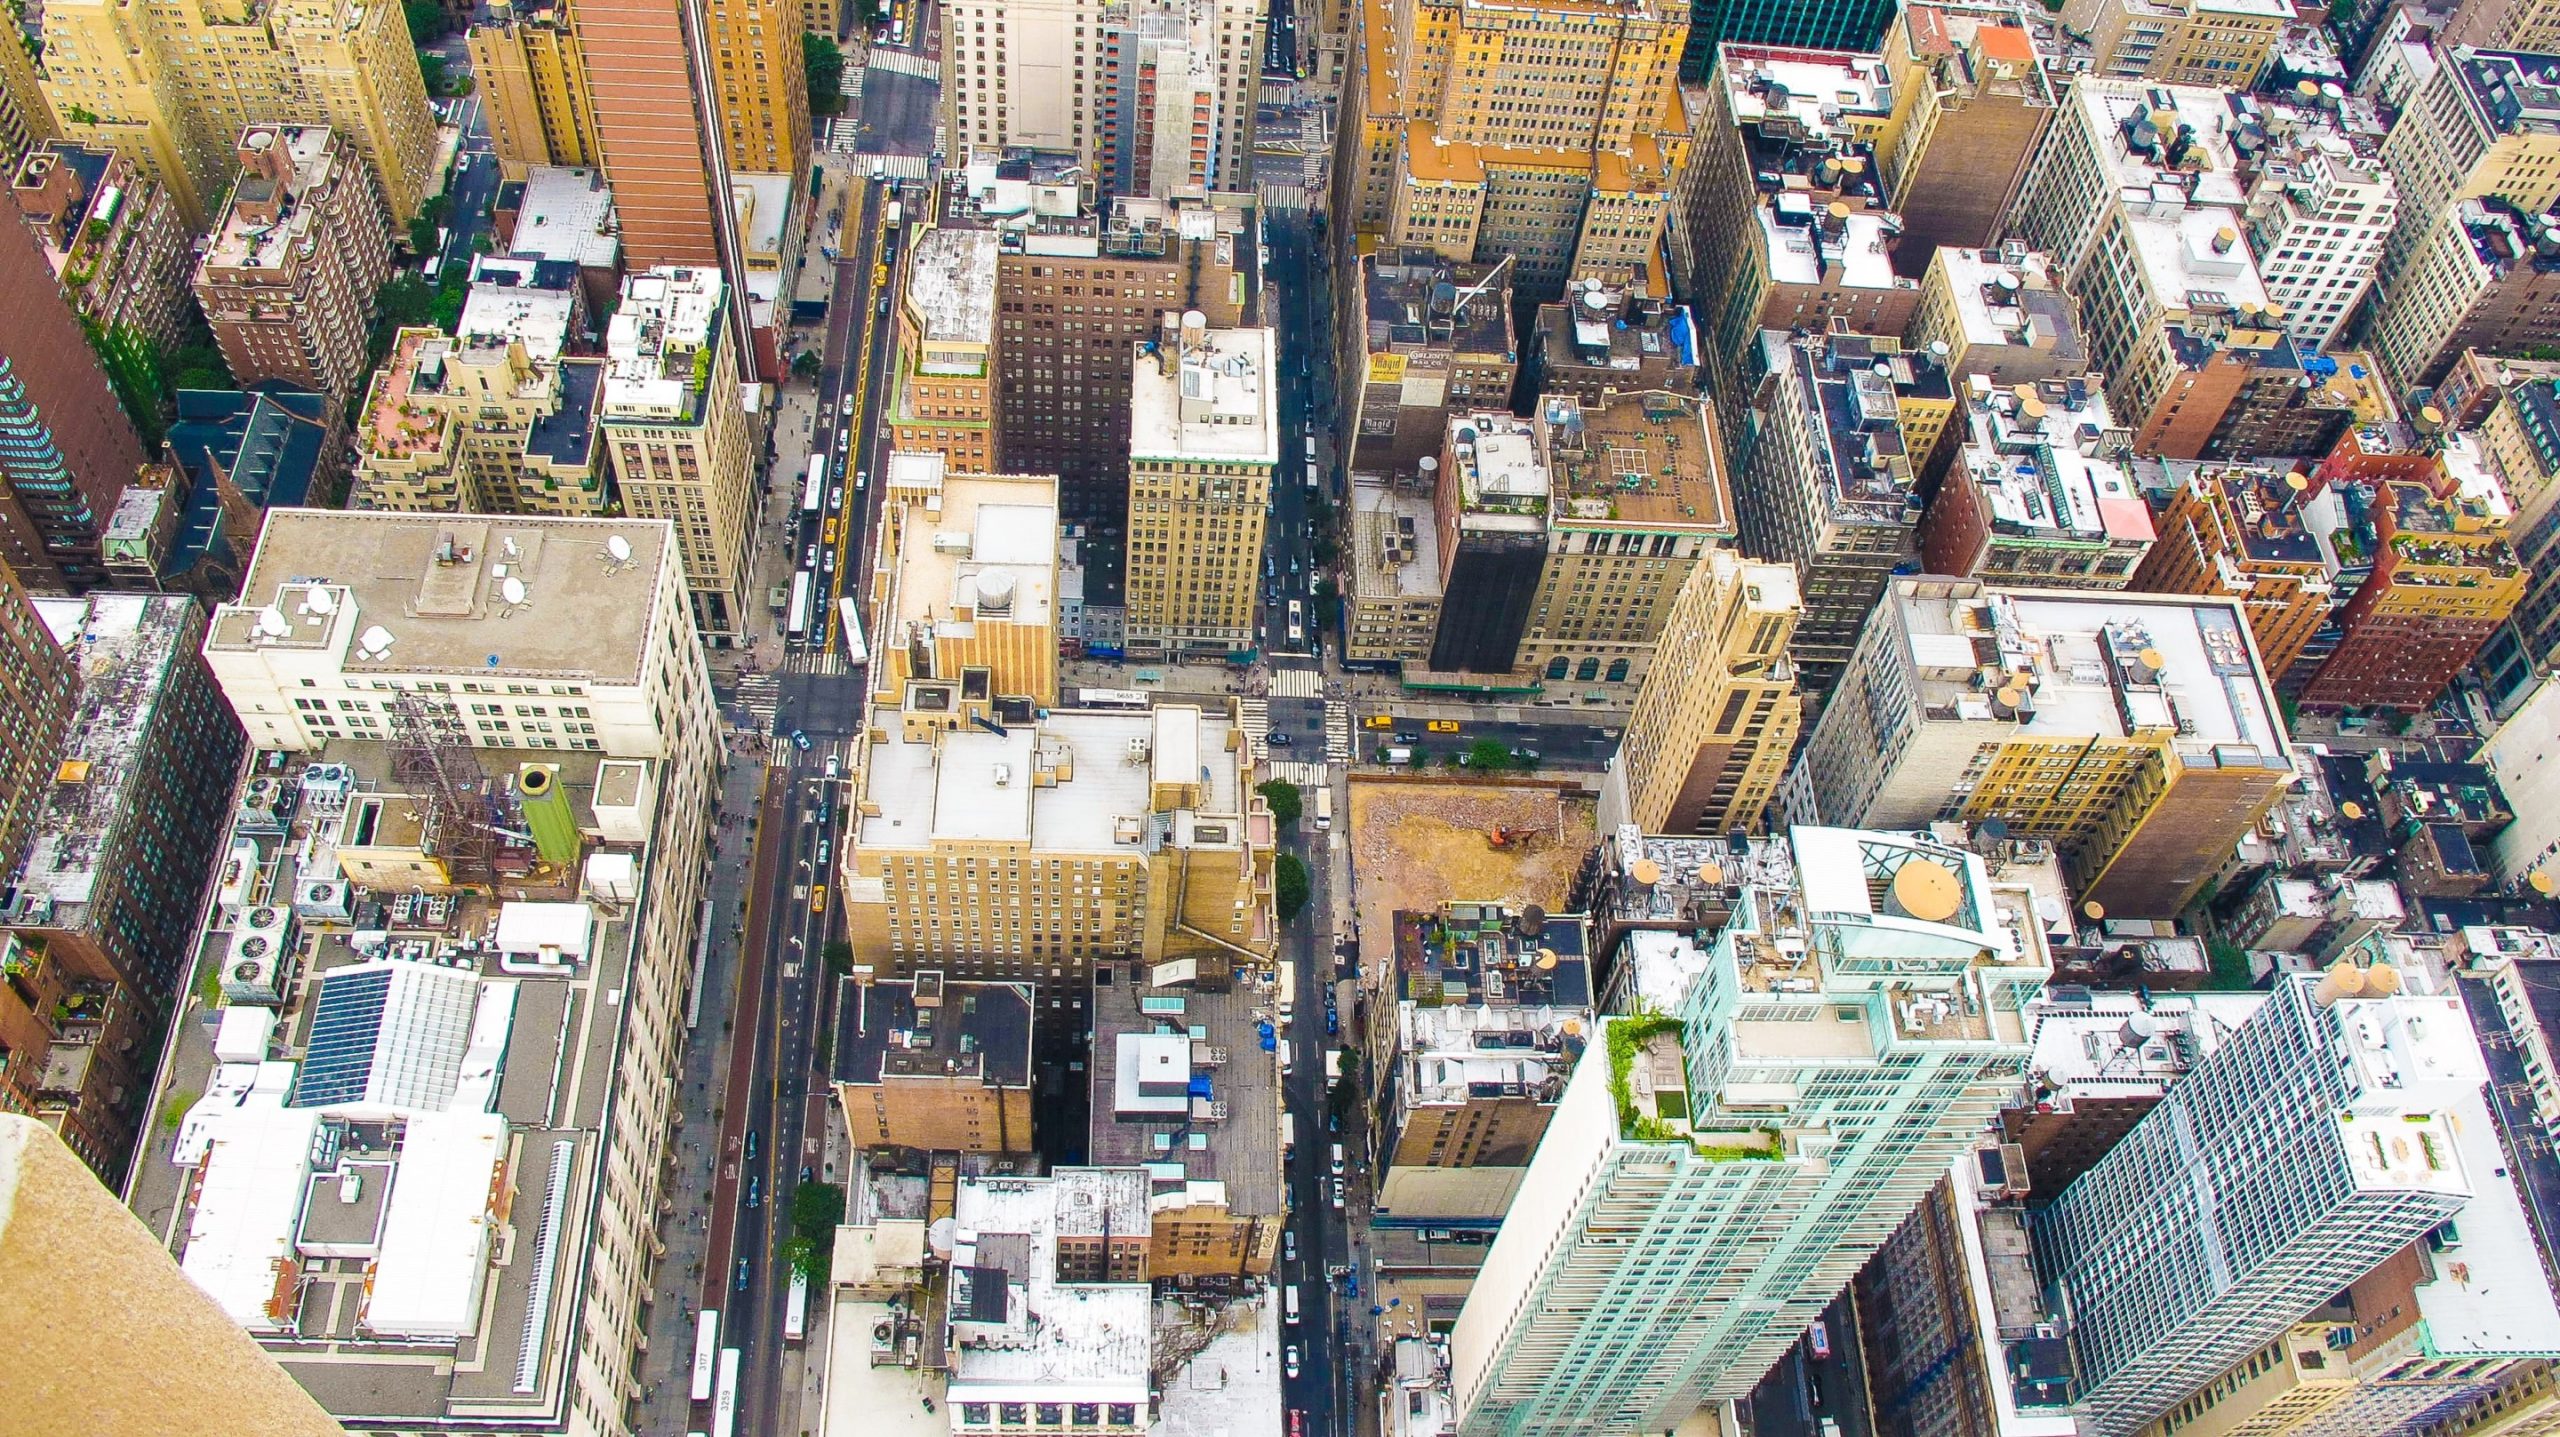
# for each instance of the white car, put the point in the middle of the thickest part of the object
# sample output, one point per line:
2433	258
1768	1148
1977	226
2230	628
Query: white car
1289	1360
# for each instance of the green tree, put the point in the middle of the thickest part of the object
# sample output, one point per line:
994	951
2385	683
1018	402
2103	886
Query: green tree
1285	802
1490	754
1291	885
803	1257
427	21
406	300
423	225
804	366
132	364
431	70
838	956
2230	966
824	60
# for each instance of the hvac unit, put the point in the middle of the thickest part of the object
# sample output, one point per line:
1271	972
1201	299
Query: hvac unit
259	967
324	898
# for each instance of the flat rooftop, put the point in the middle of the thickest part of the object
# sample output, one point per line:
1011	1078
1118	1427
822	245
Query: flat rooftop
430	583
668	316
567	214
951	286
2510	88
2102	665
1019	1332
1220	1133
245	236
2002	303
125	650
2197	261
2140	122
542	1078
1650	461
2028	457
981	1030
990	551
1395	543
1417	299
1217	403
979	785
1807	92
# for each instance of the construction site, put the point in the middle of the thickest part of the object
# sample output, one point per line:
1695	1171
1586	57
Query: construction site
1418	846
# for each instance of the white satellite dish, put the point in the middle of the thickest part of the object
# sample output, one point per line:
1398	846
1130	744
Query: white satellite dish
321	601
619	547
271	622
511	589
375	641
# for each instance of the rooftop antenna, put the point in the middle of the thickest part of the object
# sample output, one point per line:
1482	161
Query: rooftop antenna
320	600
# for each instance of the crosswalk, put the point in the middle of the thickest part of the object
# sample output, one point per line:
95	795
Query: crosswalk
1296	683
760	695
1255	716
905	167
1304	775
904	62
1337	731
844	135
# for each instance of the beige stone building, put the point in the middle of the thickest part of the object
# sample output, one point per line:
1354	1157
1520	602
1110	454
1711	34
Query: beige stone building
25	119
962	600
1393	602
943	391
2481	125
1576	182
289	275
533	88
2529	25
1972	94
490	419
754	60
1718	715
934	1065
2181	42
172	85
1204	444
682	442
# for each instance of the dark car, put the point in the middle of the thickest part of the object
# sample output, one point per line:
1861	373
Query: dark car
1279	740
751	1145
755	1189
742	1274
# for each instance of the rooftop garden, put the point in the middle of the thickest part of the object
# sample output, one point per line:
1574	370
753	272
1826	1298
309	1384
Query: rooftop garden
1668	1122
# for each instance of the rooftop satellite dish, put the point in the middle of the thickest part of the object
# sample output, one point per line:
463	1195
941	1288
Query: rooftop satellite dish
375	641
511	589
320	600
619	548
271	622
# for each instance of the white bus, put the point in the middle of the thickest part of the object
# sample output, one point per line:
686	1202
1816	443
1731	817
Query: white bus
795	1311
849	614
797	626
1111	698
1324	807
724	1406
816	490
706	1352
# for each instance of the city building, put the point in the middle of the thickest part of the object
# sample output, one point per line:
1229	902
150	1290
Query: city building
1813	250
1961	698
2529	25
2487	126
1799	24
26	119
532	81
657	133
943	389
241	454
1715	722
1704	1152
2238	532
2519	754
682	438
2442	580
2180	42
99	908
67	451
962	604
2039	492
1493	1009
1392	610
769	239
174	86
1972	94
2198	1240
41	684
1149	97
760	87
112	236
493	419
2320	209
75	1264
2487	279
1204	453
1182	1087
1062	392
1598	342
1123	835
2000	315
1436	340
525	807
940	1067
1577	186
288	277
565	214
1049	1277
1843	426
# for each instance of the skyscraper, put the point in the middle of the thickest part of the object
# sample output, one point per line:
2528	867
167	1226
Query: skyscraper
38	685
66	449
761	91
649	131
1800	24
1204	446
533	87
1714	1176
679	435
1718	714
2318	1140
173	85
74	1265
296	257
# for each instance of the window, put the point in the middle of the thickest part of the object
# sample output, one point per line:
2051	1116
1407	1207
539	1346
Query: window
1556	666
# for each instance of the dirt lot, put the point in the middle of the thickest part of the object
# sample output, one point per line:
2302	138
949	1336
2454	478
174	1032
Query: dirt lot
1417	845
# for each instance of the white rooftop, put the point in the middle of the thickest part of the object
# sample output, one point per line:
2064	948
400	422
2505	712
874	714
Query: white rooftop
2025	454
951	285
922	797
436	1232
1981	280
567	214
495	312
1059	1342
665	317
248	1206
762	202
1215	402
2196	259
1855	256
549	933
2105	105
1816	89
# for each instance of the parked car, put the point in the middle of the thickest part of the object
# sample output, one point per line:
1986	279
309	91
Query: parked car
1289	1360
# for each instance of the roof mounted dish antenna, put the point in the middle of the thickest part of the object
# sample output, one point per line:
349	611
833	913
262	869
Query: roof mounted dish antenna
617	550
321	601
272	622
